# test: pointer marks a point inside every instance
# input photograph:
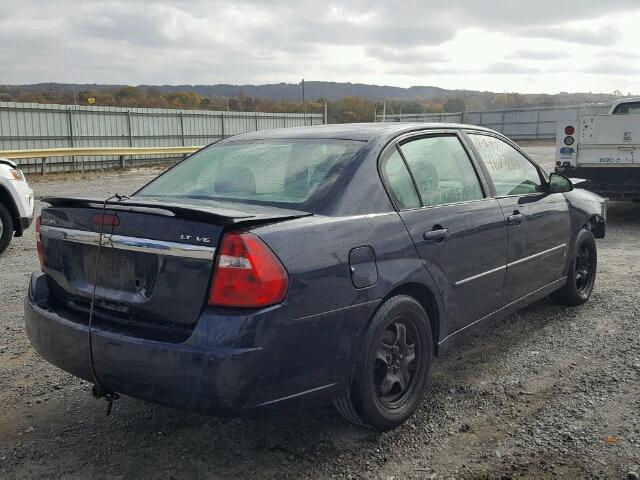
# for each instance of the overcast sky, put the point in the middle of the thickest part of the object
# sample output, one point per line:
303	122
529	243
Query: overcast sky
498	45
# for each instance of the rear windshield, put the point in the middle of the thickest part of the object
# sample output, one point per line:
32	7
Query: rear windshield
631	108
291	173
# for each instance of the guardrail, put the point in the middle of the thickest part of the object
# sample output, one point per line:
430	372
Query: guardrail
28	126
45	153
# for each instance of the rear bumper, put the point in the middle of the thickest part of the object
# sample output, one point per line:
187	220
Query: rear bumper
23	224
199	374
610	182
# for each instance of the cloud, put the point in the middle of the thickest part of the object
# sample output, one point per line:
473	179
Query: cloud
211	41
509	68
604	36
537	55
617	54
409	55
609	67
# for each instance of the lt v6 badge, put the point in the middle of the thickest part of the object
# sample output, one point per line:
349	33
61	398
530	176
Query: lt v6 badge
196	238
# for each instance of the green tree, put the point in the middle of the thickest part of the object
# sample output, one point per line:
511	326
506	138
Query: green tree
454	105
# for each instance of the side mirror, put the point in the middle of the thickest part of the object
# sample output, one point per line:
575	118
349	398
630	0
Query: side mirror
559	183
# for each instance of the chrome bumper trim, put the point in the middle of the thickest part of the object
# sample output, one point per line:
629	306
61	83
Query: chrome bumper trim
134	244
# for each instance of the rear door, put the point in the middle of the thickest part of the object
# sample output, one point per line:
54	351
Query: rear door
459	230
538	222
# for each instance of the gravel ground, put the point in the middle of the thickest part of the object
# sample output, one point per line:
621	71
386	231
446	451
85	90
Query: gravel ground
550	392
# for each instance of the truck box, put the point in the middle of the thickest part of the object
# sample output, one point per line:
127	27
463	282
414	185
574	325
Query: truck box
603	151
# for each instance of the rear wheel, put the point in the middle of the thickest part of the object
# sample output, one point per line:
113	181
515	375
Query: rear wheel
390	372
6	228
582	272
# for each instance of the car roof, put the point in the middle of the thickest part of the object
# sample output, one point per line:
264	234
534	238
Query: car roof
352	131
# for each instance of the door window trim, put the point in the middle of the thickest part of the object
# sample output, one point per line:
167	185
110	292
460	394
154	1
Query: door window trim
397	142
541	173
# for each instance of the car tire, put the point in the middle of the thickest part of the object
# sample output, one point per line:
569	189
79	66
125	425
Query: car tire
390	371
6	228
581	276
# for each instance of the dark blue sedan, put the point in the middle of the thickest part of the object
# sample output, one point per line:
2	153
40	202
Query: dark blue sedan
306	266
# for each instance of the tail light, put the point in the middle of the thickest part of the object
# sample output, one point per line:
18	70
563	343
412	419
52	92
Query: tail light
39	242
247	274
569	130
568	141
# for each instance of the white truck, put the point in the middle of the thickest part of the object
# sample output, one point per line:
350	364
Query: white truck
603	150
16	203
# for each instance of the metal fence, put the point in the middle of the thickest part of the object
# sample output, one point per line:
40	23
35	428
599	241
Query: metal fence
33	126
520	124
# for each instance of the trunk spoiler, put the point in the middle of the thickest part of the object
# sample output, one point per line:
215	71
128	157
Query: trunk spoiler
200	211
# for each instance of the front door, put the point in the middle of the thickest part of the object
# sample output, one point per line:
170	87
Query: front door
458	230
538	222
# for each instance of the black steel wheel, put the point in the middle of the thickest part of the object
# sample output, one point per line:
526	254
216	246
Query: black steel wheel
583	271
581	276
390	371
396	363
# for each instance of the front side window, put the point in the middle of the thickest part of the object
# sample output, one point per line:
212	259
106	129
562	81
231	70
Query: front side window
442	170
512	173
292	172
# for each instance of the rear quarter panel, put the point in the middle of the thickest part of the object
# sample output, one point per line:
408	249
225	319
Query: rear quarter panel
324	310
315	252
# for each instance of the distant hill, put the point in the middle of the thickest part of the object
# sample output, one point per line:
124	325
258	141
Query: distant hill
345	102
330	90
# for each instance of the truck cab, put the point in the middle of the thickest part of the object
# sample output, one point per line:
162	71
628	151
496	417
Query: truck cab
603	151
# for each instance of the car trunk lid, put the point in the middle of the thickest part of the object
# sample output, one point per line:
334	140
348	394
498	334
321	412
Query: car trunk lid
155	264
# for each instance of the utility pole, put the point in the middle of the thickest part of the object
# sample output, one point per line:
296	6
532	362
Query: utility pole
304	104
326	118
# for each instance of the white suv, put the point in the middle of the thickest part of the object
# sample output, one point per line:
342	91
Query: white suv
16	203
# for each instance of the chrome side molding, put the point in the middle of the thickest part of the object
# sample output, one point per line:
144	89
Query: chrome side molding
540	254
480	275
134	244
516	262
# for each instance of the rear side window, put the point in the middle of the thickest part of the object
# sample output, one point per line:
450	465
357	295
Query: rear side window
442	170
294	173
512	173
399	181
631	108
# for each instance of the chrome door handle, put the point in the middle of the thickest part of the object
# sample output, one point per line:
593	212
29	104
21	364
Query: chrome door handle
437	236
515	218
